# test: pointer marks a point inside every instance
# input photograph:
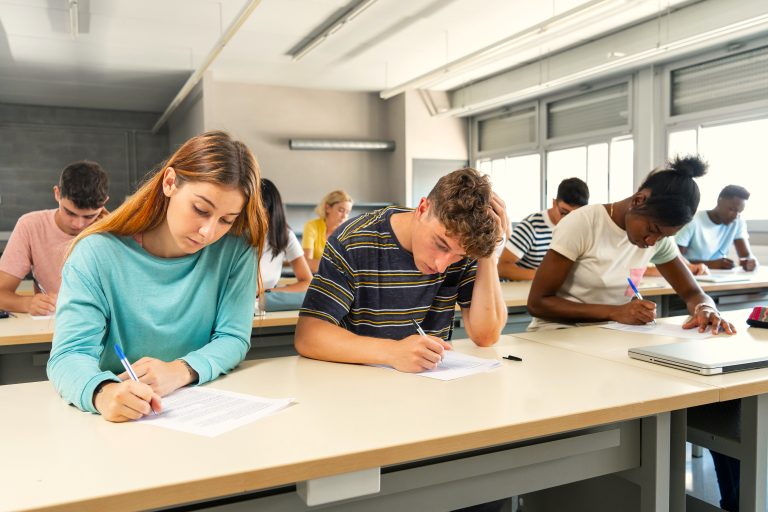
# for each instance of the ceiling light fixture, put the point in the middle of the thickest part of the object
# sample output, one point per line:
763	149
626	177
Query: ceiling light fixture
74	19
575	18
744	28
192	81
341	145
335	26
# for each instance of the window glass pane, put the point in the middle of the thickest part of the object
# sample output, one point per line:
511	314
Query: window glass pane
682	143
484	166
622	169
562	164
597	173
735	153
516	180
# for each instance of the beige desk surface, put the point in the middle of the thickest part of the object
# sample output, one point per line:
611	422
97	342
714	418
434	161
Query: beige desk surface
516	292
26	287
346	418
23	329
613	345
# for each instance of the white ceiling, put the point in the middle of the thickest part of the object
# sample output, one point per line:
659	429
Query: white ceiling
136	54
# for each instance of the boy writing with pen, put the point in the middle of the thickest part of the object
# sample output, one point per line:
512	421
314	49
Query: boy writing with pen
40	238
384	270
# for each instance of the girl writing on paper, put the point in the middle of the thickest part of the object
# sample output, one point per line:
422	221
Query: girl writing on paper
170	275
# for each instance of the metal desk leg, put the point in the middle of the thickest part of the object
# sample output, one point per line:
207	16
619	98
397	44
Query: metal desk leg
754	456
678	430
653	475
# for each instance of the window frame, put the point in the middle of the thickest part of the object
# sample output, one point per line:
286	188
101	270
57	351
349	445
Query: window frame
750	111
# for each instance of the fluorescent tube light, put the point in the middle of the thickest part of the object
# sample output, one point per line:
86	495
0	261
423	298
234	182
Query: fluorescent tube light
573	19
335	26
341	145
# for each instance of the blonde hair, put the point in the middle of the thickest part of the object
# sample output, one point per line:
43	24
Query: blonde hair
212	157
330	199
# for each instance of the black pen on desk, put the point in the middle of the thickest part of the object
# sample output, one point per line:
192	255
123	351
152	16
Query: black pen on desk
513	358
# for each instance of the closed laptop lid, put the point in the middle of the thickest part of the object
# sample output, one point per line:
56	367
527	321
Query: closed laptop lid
707	357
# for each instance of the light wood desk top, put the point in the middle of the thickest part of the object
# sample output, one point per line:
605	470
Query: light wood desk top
613	345
346	418
26	287
516	292
18	332
24	330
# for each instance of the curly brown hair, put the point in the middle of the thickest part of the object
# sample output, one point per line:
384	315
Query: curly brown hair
461	201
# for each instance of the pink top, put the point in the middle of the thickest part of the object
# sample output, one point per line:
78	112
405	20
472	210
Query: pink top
37	244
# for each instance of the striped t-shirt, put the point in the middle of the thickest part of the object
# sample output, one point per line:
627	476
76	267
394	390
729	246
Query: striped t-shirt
369	285
530	239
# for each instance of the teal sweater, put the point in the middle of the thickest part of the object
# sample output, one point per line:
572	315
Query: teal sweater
197	307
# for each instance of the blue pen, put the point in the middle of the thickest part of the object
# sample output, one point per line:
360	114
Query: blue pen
127	366
637	294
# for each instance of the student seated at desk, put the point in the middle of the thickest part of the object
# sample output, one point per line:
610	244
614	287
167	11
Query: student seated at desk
170	276
333	210
530	238
40	239
583	277
280	245
386	268
708	237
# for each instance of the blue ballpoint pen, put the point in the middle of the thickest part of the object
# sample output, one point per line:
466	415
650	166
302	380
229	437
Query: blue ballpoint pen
637	294
128	367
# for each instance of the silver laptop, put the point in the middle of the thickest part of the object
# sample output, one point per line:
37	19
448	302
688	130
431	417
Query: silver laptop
706	357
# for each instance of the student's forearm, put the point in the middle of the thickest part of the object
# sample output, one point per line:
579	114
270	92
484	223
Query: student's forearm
11	301
515	273
299	286
313	264
556	308
319	339
487	314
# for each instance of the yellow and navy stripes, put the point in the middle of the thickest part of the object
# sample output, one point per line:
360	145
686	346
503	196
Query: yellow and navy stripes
368	284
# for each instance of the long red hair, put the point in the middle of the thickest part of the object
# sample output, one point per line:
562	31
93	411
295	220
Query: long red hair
212	157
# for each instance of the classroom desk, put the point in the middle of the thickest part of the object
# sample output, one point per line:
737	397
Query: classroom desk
430	445
25	343
750	387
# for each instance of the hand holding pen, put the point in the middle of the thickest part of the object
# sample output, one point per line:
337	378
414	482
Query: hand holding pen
638	311
417	352
41	304
127	400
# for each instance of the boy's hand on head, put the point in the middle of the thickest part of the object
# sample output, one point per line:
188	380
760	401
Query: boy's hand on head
126	401
42	305
500	214
417	353
164	378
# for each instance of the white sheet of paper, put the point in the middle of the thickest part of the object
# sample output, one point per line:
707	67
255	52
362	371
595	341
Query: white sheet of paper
42	317
456	365
675	331
212	412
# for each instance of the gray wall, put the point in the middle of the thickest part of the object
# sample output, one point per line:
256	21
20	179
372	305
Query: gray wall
36	143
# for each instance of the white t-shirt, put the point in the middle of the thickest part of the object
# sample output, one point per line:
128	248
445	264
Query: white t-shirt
603	258
270	267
